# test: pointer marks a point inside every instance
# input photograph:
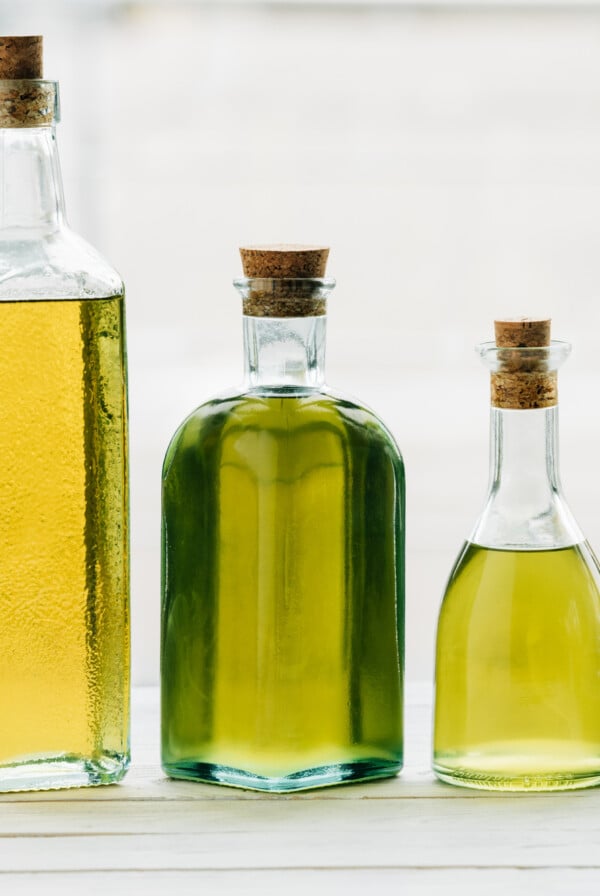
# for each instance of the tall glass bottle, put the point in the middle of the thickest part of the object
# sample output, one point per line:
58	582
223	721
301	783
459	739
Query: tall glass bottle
283	562
64	627
518	656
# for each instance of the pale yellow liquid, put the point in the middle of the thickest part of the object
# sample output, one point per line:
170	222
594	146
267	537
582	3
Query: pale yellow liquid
64	662
518	670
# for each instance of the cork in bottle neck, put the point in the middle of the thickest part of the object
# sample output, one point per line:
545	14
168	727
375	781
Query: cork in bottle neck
26	101
284	280
523	379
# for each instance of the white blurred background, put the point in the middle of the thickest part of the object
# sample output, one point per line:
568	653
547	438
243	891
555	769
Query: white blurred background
448	153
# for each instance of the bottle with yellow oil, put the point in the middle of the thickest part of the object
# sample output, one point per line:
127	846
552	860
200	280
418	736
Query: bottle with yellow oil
283	561
518	658
64	623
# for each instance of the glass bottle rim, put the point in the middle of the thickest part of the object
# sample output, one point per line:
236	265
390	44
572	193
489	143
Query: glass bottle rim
543	357
268	283
39	82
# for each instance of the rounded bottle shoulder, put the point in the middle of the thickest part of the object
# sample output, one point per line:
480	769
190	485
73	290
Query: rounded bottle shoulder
361	415
60	264
234	412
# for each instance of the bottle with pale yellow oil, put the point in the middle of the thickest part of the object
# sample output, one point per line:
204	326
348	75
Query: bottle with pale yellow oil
518	646
64	618
283	561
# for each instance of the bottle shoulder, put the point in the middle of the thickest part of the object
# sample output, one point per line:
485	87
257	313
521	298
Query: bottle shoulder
362	415
282	414
58	264
508	576
539	520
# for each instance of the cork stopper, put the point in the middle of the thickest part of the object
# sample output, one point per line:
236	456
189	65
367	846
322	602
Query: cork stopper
21	58
523	381
26	101
523	332
284	261
282	280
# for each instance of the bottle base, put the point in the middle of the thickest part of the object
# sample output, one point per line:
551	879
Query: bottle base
323	776
63	771
481	780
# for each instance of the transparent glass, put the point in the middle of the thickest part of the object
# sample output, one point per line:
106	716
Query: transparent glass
283	577
517	666
64	584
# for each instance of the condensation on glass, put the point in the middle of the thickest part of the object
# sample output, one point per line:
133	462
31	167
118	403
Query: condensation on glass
64	583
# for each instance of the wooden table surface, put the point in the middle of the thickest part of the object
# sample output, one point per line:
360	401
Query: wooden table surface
410	835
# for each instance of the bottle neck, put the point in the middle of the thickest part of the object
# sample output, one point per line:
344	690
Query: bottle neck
32	202
525	509
284	352
524	453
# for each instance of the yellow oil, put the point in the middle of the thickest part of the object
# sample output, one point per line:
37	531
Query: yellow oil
518	670
64	625
283	594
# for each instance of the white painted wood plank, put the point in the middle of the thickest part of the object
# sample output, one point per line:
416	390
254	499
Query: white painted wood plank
574	817
384	882
422	840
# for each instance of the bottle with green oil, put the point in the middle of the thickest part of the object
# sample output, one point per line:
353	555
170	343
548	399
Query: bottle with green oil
64	620
283	561
518	659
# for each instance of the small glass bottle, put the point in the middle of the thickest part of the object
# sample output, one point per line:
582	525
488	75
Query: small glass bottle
518	663
64	624
283	561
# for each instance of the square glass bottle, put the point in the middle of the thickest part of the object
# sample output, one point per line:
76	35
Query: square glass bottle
283	561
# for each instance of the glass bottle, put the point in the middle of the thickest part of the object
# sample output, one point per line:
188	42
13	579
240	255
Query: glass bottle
64	625
283	562
518	664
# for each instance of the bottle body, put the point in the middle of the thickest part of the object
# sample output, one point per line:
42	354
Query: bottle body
64	567
63	523
283	577
517	701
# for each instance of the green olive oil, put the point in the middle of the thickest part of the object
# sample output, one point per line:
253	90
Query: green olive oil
283	593
518	670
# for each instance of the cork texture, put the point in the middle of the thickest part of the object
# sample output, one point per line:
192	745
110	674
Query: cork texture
283	280
524	332
523	381
21	58
524	391
27	104
284	261
25	100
